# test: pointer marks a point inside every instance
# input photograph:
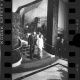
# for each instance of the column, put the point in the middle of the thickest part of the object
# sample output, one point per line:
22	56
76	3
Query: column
52	25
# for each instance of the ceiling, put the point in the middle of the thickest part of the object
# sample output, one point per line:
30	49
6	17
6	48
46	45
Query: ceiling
17	3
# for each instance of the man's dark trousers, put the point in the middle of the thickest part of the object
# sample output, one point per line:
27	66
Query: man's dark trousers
31	51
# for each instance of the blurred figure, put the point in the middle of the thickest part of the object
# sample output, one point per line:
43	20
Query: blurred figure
40	44
58	47
26	36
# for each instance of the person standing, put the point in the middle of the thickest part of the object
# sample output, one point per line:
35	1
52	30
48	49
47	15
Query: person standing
31	42
58	47
40	45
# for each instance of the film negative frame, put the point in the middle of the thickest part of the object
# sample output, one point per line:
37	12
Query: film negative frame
6	48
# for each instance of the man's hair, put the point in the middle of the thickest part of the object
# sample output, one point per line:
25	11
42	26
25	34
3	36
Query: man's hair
40	36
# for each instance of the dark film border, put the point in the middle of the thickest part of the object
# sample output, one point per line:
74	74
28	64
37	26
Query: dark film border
6	47
74	44
6	50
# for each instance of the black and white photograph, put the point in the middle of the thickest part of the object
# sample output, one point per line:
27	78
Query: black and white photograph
39	39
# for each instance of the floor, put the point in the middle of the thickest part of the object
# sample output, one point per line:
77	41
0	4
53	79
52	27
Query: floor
57	72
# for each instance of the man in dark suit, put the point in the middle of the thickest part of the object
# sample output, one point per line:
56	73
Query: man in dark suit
31	42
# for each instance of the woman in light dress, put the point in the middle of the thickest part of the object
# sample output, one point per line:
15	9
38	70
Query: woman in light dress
40	44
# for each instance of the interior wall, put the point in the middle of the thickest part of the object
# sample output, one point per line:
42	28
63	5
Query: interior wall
40	11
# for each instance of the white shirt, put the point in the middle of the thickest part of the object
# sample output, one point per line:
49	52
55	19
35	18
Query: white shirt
37	36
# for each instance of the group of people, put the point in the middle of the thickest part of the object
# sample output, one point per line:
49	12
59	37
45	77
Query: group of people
36	39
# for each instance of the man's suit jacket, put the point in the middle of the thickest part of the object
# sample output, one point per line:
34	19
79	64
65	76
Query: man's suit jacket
31	40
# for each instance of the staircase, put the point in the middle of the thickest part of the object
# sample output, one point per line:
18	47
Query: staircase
25	50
